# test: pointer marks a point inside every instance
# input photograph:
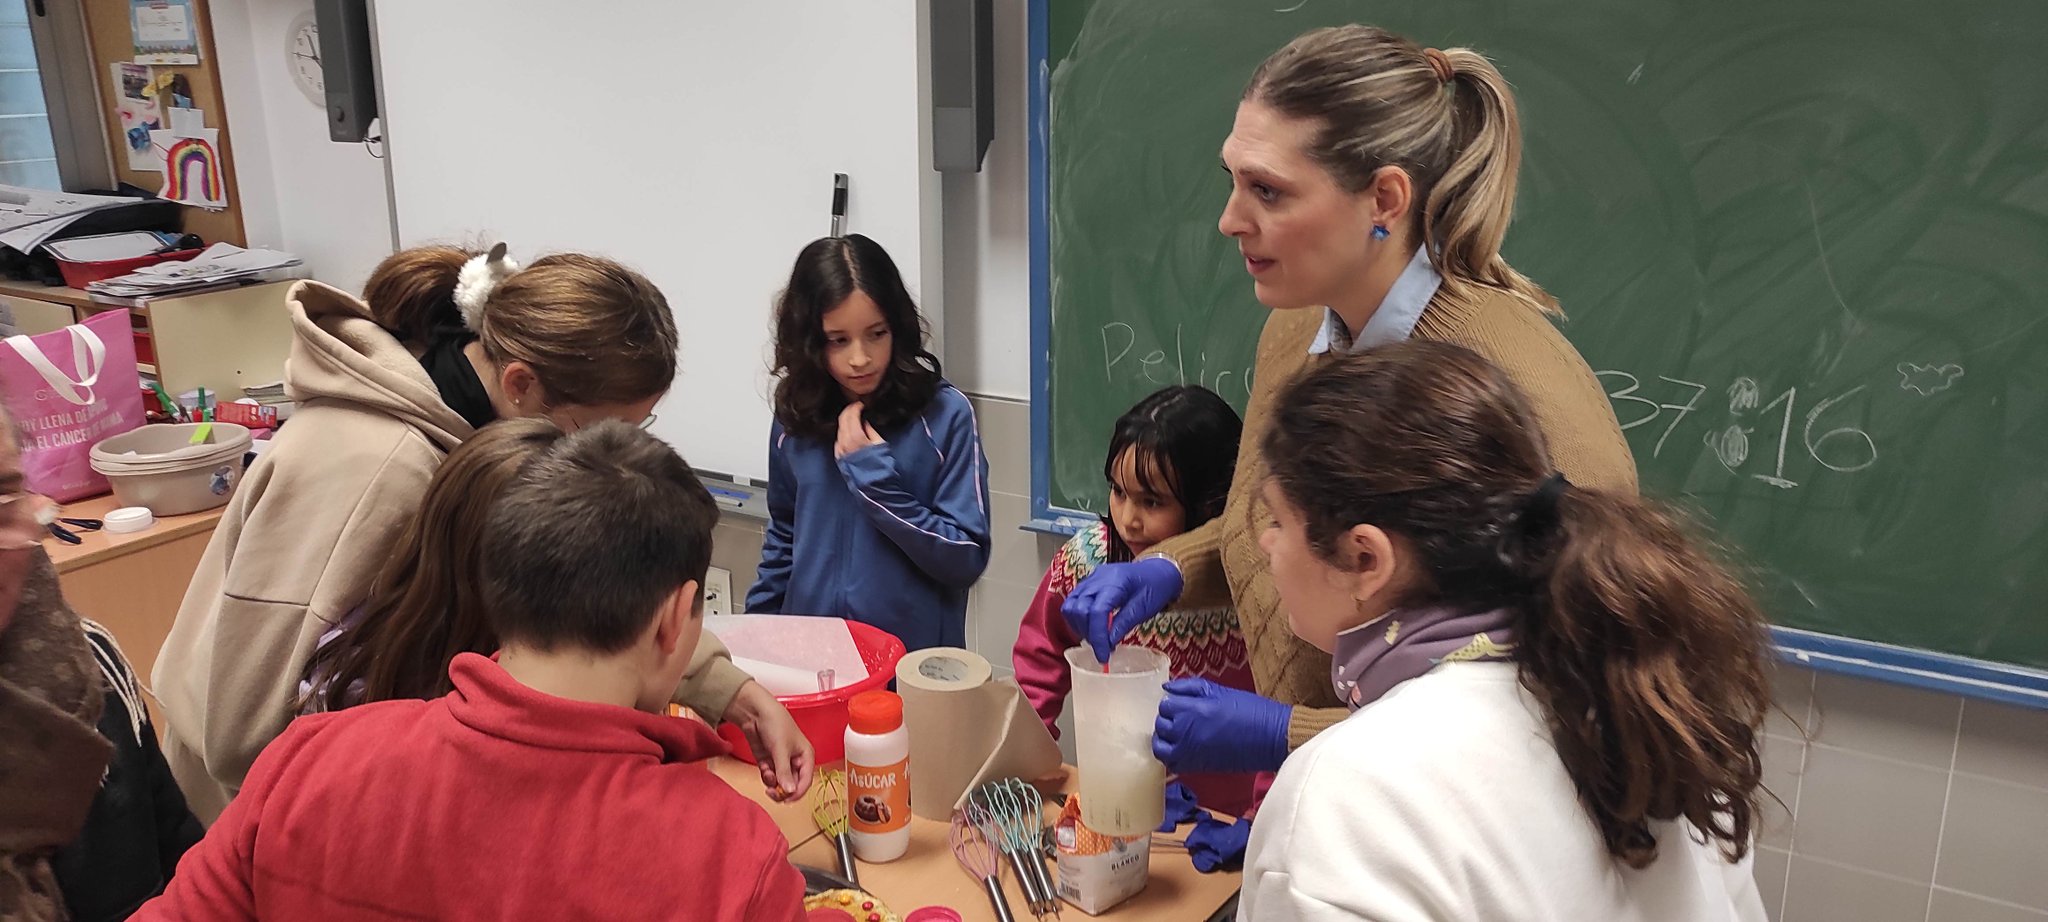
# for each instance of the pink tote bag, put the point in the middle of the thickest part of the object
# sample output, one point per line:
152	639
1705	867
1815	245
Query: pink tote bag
66	390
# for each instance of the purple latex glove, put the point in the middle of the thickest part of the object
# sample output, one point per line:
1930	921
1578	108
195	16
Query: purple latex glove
1118	597
1218	845
1206	727
1180	807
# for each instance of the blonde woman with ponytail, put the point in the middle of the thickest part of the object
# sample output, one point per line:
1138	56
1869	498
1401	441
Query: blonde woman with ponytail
1371	184
1557	695
445	341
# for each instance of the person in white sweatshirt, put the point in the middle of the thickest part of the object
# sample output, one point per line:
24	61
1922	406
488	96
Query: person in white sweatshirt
1557	694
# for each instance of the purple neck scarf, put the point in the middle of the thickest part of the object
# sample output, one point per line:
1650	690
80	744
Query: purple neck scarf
1376	656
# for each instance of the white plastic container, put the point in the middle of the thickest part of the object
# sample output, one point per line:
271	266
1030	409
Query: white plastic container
877	776
1123	788
128	520
158	467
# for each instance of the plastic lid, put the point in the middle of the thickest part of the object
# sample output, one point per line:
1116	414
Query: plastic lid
874	712
129	519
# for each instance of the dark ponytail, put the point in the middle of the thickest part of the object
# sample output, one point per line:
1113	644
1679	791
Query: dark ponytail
1647	654
1659	651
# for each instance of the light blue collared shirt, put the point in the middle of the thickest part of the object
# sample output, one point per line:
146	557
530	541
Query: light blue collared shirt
1396	318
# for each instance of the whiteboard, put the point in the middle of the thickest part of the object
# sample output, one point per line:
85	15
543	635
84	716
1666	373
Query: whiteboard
693	141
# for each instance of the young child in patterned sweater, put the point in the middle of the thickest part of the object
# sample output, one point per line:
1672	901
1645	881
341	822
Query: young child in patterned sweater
1169	468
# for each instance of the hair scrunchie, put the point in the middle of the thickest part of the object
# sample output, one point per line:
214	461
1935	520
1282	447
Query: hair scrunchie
478	278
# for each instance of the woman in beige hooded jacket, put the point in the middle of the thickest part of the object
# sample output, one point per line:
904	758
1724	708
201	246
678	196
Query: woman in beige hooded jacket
446	342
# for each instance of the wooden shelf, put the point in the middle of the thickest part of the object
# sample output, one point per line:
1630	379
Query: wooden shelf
54	294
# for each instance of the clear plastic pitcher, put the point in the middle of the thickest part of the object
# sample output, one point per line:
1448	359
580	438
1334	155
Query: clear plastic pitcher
1123	789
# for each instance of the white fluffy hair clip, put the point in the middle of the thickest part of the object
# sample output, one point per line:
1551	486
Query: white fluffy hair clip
478	277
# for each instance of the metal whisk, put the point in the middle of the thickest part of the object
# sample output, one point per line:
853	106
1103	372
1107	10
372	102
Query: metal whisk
1032	833
980	855
828	810
1017	823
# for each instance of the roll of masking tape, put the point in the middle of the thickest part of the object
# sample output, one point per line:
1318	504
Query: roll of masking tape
966	728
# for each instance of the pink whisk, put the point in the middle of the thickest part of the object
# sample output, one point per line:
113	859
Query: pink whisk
981	856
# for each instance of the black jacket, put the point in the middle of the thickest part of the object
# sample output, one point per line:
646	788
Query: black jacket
139	825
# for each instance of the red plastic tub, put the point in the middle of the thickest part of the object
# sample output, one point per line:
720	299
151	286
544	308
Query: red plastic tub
822	715
79	275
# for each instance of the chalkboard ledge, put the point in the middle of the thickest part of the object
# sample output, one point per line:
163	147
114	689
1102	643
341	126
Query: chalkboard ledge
1062	525
737	497
1940	672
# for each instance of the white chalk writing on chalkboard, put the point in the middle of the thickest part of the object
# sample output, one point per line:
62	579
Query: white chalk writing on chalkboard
1843	449
1160	368
1743	395
1730	445
1928	380
1656	409
1777	476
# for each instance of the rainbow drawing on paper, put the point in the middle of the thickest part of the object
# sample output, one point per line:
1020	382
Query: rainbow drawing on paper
192	173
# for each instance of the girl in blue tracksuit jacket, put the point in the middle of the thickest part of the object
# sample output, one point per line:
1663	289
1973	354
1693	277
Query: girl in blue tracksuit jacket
877	485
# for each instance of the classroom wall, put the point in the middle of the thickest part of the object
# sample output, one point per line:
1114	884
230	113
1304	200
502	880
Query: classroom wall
988	325
300	192
987	239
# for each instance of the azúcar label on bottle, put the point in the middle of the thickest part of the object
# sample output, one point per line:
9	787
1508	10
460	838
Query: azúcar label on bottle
878	797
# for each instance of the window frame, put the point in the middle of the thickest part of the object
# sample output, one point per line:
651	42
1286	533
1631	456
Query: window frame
71	94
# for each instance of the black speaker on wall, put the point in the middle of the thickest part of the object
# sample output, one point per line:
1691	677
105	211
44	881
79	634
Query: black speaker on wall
347	67
963	83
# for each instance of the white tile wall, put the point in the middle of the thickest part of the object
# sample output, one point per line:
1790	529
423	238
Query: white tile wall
1903	804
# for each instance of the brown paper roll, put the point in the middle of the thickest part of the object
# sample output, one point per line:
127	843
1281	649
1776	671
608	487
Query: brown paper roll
966	728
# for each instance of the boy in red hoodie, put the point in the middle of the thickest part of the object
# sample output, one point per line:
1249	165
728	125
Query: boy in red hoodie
547	785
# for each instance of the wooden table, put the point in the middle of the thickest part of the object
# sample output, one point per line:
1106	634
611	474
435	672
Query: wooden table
927	874
132	583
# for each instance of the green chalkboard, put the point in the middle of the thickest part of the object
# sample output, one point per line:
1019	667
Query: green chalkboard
1805	242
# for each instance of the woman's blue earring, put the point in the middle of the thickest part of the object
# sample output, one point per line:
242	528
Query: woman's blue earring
1379	232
